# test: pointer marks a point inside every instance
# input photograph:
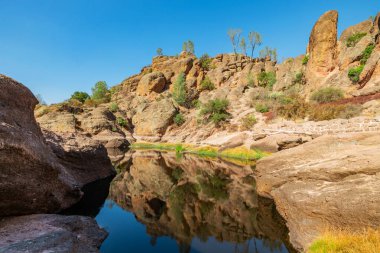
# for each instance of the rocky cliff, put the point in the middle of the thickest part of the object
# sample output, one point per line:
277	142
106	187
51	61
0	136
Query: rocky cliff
43	173
145	101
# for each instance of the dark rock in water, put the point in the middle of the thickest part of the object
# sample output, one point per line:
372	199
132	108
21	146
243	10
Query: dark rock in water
33	177
50	233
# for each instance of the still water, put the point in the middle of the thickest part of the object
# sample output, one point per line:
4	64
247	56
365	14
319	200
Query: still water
166	204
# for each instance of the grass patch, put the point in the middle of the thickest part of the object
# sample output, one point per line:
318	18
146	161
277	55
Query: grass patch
354	39
238	153
339	241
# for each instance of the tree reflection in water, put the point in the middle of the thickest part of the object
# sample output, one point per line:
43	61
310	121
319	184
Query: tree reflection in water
190	197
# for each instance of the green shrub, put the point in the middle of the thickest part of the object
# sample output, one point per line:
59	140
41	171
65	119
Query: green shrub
114	107
354	39
179	89
262	108
80	96
215	110
100	92
248	121
121	122
266	79
179	119
305	59
328	94
354	73
366	54
205	61
250	80
207	84
299	78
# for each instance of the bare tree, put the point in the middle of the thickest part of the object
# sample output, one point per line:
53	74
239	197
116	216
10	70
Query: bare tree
234	35
254	40
243	46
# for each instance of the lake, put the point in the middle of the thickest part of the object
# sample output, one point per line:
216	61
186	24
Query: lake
159	202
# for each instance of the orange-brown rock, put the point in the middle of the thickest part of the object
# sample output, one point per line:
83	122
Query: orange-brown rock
152	82
323	45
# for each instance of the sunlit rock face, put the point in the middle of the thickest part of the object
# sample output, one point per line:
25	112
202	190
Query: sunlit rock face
190	197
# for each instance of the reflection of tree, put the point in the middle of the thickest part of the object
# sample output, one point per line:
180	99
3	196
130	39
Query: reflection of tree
209	202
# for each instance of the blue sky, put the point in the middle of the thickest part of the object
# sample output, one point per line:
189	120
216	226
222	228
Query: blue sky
56	47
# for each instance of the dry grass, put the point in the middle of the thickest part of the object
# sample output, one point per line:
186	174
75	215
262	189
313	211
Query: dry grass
340	241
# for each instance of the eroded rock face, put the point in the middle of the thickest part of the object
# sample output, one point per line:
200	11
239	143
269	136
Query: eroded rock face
322	44
154	118
50	233
330	181
152	82
32	178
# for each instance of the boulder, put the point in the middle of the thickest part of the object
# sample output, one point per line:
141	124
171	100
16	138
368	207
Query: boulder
152	82
331	181
154	118
50	233
32	178
322	46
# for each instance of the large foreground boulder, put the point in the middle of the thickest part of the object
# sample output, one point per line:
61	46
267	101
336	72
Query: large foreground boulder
33	179
332	181
50	233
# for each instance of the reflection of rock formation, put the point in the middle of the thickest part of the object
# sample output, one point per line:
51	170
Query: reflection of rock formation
193	197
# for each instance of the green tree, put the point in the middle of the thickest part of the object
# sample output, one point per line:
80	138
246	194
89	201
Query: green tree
80	96
234	35
179	89
184	46
190	47
159	51
100	92
243	46
254	40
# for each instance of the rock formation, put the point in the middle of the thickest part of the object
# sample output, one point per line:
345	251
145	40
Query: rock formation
322	46
50	233
34	178
331	181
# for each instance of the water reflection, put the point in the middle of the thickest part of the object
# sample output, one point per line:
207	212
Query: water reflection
188	204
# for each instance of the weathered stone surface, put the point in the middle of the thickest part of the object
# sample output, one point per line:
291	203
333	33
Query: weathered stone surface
32	178
322	44
96	120
85	158
50	233
277	142
363	27
152	82
287	71
154	118
59	122
330	181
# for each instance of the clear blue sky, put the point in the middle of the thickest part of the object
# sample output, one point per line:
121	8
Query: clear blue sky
56	47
